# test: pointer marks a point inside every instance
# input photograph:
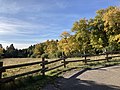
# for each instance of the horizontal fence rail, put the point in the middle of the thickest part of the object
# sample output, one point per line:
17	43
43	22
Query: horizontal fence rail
96	60
54	68
76	60
7	79
54	61
44	65
19	65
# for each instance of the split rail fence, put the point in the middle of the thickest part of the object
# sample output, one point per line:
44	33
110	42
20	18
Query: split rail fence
43	65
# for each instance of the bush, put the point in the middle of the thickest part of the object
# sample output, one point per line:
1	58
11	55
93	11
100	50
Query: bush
112	47
33	56
45	55
38	56
58	54
52	55
78	54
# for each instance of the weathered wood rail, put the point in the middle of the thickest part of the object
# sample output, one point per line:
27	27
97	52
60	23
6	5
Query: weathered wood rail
42	69
43	65
106	55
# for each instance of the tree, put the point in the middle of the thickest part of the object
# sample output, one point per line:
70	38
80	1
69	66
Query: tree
98	37
1	46
38	51
30	50
105	29
82	34
1	51
65	35
112	26
51	47
112	21
11	52
64	43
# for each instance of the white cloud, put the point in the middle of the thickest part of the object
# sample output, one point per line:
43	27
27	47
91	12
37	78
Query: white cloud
15	26
21	33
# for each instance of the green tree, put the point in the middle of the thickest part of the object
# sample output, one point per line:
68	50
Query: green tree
11	52
1	51
51	48
98	37
82	34
112	26
39	50
64	44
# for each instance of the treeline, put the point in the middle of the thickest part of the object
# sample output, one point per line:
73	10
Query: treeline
94	36
11	52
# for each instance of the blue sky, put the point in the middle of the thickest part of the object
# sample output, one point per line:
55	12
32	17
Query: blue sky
26	22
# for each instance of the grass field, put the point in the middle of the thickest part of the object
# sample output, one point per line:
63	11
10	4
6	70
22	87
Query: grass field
27	81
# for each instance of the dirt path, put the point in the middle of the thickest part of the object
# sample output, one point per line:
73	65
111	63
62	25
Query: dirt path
96	79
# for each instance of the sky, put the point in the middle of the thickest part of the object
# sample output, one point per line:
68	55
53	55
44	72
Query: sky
28	22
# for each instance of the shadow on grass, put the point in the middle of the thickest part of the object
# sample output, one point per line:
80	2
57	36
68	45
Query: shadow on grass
34	82
30	82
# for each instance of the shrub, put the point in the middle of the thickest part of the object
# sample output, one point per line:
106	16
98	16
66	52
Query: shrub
45	55
58	54
33	56
52	55
38	56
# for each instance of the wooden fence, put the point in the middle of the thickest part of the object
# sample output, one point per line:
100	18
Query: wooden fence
44	62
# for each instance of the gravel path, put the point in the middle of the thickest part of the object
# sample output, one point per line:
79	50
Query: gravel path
97	79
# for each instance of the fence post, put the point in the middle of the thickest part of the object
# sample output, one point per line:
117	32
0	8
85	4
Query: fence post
43	66
1	65
85	59
107	57
64	62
